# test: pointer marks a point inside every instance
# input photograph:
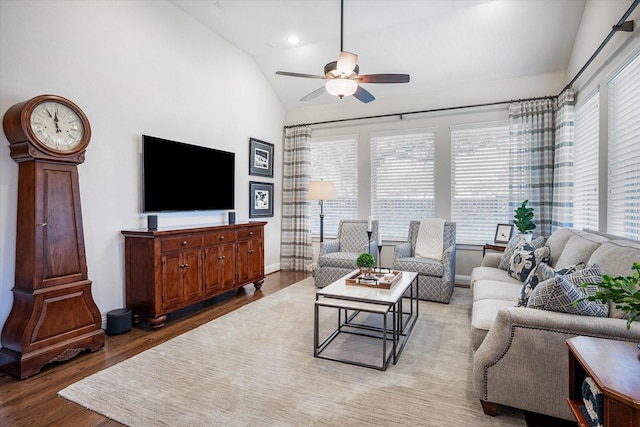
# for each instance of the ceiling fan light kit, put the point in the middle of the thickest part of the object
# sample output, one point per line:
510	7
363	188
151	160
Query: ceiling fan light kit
341	87
343	75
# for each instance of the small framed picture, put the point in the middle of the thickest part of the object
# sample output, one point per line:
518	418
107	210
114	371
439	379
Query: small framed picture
260	199
503	233
260	158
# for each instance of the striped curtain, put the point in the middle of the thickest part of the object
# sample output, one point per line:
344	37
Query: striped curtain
533	127
296	250
563	163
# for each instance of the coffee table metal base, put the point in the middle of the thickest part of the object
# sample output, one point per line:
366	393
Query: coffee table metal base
348	310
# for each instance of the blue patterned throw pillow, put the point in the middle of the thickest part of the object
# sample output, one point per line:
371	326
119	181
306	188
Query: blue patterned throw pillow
525	258
539	274
561	292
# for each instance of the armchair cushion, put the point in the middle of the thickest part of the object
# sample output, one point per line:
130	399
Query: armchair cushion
339	259
353	237
427	266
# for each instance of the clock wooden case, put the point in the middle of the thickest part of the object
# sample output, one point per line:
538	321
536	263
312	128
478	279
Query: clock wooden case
54	316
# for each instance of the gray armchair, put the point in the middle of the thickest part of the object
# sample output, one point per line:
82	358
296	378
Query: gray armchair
338	257
437	278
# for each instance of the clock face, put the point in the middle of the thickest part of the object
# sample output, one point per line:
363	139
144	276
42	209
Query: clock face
57	126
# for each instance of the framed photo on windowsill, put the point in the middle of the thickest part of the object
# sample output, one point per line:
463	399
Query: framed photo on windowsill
260	199
260	158
503	233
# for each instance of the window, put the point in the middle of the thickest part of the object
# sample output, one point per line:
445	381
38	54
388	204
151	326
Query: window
484	176
585	163
402	179
335	159
623	210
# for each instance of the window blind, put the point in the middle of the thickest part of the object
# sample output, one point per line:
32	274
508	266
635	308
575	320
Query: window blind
482	168
623	210
402	179
585	163
335	159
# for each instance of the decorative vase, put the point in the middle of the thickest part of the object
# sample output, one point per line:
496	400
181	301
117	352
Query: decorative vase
526	237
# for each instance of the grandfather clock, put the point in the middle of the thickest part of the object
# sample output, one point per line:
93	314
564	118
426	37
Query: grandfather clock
54	316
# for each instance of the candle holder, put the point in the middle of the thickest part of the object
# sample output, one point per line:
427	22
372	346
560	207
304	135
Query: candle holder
369	233
379	257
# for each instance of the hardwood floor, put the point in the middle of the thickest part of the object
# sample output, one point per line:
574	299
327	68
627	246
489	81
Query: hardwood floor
34	401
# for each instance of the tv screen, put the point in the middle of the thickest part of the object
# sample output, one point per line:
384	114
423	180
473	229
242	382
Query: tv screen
184	177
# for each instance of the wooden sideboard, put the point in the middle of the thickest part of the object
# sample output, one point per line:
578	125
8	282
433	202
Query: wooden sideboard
615	368
169	269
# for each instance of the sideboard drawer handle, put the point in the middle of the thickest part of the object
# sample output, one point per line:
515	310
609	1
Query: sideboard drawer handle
184	243
221	257
251	233
221	237
250	251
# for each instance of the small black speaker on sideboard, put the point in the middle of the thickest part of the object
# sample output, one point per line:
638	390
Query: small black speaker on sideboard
232	217
152	222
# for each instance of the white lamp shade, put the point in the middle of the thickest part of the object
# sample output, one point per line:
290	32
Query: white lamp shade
321	190
341	87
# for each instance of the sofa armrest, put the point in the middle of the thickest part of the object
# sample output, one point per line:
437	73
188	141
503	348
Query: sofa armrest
402	251
523	361
328	247
491	260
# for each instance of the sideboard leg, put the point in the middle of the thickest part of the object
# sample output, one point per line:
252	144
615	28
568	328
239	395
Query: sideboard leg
258	284
157	322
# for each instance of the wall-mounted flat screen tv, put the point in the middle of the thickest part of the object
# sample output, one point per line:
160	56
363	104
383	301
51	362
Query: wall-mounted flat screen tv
184	177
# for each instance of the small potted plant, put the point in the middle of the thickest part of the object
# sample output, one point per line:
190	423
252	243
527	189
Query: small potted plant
365	263
523	220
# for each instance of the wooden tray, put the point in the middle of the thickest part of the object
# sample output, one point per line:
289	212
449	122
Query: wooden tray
356	280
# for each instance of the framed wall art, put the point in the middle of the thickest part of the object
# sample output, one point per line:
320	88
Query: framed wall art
260	158
503	233
260	199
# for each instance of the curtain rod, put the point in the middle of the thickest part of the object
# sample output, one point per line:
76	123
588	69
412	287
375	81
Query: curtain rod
488	104
604	43
434	110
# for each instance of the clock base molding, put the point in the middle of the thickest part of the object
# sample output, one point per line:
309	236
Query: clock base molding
49	325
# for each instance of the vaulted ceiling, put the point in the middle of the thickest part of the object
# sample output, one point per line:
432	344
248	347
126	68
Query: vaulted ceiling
440	43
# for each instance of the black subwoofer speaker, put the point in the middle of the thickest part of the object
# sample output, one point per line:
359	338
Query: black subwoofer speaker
119	321
232	217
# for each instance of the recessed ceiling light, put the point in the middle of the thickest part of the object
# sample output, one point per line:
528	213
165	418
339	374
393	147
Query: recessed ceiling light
293	39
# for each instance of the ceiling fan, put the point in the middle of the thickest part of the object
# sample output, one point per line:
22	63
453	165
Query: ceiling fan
343	77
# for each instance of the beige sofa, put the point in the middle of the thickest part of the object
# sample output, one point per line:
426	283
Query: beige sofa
520	353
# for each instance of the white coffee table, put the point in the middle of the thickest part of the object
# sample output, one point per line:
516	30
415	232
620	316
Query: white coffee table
359	299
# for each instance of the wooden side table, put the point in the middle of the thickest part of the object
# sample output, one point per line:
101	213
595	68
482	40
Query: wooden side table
498	247
615	368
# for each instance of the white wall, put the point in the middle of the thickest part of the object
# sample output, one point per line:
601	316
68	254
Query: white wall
134	67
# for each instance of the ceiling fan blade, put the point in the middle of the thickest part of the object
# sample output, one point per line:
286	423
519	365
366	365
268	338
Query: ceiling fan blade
308	76
384	78
363	95
314	94
347	62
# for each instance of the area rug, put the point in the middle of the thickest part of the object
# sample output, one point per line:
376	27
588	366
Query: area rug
255	367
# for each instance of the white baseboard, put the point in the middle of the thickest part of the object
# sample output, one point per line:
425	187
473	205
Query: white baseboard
272	268
463	279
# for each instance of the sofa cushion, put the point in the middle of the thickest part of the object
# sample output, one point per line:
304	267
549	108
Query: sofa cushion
615	258
579	249
565	294
482	317
505	259
557	242
539	274
491	273
493	289
525	258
